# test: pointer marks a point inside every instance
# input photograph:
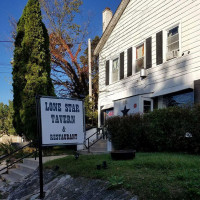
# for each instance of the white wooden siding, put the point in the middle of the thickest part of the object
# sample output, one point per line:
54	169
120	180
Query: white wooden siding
143	19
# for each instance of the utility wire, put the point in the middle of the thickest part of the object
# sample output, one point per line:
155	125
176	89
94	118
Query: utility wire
6	41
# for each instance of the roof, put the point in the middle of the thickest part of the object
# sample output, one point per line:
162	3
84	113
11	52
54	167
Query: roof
111	26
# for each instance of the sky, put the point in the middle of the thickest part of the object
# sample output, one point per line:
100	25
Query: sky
14	8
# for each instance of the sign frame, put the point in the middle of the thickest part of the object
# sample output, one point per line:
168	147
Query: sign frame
83	111
39	132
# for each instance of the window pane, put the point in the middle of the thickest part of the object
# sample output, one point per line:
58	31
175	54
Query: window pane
173	39
186	98
172	43
139	58
139	64
140	52
173	31
147	106
115	70
174	46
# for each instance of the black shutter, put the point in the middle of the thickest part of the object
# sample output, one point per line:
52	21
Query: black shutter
121	65
159	47
129	62
148	53
107	72
102	116
197	91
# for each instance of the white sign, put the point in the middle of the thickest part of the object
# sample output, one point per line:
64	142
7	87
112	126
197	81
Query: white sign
61	121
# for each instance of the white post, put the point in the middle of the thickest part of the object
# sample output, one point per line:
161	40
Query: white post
90	68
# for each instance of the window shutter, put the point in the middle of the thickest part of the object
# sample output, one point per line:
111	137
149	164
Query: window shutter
148	53
129	62
197	91
107	72
159	44
121	65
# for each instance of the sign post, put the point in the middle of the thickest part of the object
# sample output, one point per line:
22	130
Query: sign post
60	122
39	145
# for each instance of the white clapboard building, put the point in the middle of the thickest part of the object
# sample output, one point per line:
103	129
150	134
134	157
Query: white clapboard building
149	56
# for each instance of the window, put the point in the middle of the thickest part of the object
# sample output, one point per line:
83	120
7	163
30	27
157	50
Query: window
106	114
173	43
179	99
147	106
115	70
139	57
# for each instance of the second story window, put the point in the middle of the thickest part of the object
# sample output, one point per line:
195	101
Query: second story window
173	43
115	70
139	57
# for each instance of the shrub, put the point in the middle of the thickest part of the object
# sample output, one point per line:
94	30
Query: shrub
6	148
125	131
161	130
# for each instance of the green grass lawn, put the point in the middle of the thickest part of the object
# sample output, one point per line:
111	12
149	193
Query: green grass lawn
150	175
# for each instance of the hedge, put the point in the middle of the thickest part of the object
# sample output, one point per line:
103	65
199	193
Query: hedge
162	130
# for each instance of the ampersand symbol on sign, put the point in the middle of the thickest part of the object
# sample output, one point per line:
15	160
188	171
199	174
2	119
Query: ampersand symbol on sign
64	129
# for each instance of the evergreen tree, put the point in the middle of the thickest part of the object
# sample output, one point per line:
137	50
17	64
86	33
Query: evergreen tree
19	69
31	71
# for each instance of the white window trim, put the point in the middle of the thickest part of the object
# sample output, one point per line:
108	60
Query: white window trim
165	32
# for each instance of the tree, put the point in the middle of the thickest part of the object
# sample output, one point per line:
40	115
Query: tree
3	116
9	119
6	118
19	70
91	114
66	41
31	68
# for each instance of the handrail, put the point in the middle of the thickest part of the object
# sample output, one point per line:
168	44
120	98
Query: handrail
7	166
9	154
96	133
98	130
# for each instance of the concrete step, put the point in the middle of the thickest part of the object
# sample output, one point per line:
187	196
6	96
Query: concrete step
4	170
9	178
100	145
17	173
27	168
31	162
24	169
